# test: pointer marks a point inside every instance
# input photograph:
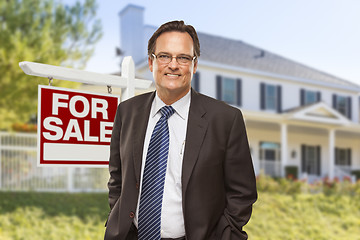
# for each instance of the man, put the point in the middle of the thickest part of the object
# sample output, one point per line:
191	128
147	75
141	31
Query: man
200	185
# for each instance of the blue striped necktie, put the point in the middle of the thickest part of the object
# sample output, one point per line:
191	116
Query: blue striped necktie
149	219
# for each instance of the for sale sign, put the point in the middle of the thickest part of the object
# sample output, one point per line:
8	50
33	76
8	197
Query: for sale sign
74	127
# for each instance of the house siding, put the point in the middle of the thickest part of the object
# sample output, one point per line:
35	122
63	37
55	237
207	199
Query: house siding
269	125
250	90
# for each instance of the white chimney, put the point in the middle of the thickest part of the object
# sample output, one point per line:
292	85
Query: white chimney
132	33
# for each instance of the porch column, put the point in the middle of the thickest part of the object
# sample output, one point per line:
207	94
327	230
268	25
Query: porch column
284	148
331	153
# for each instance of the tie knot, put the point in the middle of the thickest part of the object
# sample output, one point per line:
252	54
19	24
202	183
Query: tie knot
167	111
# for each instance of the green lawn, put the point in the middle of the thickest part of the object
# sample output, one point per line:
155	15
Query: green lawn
52	216
277	215
305	217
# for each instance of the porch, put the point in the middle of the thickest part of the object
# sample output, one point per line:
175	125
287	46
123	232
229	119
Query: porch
316	147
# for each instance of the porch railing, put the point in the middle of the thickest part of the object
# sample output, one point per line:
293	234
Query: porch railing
271	167
342	172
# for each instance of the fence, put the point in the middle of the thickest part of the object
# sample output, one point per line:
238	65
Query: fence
19	171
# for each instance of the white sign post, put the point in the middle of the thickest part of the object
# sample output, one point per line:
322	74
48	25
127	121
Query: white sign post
74	127
126	81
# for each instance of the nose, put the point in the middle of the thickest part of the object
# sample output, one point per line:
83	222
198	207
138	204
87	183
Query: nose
173	64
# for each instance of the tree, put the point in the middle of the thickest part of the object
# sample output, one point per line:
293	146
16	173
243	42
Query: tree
44	31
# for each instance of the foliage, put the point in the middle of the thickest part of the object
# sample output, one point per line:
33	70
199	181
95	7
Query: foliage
291	172
44	31
294	186
86	206
56	216
24	127
286	210
281	185
304	217
33	224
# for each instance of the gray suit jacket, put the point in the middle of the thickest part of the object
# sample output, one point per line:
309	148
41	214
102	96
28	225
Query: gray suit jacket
218	182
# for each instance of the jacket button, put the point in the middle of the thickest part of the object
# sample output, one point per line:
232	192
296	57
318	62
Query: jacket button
132	214
137	186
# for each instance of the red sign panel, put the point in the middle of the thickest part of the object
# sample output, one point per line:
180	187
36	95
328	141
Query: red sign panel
74	127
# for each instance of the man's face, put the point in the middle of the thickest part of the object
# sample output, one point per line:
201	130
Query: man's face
173	79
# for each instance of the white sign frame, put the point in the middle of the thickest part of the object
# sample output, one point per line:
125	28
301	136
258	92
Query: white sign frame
101	150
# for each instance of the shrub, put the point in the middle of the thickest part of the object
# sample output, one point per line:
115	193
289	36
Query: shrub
24	127
266	183
292	186
291	172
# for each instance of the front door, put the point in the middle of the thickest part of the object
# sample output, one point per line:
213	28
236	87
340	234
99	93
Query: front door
270	158
311	160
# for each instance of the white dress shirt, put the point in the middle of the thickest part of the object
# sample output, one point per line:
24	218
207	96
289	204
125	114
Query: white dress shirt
172	218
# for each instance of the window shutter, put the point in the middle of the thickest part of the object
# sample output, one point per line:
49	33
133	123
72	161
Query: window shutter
303	157
349	108
349	156
318	96
302	97
262	96
318	155
334	98
279	107
218	87
196	82
238	91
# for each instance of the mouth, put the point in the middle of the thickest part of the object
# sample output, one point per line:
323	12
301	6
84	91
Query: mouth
172	75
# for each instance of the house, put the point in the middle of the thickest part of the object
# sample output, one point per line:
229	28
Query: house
300	120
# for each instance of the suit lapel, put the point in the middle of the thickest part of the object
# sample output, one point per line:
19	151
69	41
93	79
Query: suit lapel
197	126
139	131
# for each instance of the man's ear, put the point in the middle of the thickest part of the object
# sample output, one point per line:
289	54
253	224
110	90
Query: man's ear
195	66
151	61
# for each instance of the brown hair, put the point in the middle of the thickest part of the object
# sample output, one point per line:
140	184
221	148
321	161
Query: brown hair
174	26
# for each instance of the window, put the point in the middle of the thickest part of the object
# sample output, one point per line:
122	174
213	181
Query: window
269	151
229	90
310	159
342	157
270	97
342	104
308	97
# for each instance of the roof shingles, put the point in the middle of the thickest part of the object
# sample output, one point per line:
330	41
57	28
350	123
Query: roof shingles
237	53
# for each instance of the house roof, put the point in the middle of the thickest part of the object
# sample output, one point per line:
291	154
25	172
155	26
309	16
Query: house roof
240	54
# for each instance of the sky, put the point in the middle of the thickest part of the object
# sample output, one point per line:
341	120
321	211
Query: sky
323	34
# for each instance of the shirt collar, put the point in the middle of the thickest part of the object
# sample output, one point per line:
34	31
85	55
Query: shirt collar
181	106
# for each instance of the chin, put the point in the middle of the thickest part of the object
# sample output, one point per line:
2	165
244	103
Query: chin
171	86
178	88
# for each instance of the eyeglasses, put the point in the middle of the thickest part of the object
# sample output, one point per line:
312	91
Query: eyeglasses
167	58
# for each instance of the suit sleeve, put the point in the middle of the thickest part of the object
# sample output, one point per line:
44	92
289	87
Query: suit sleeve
115	180
240	182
